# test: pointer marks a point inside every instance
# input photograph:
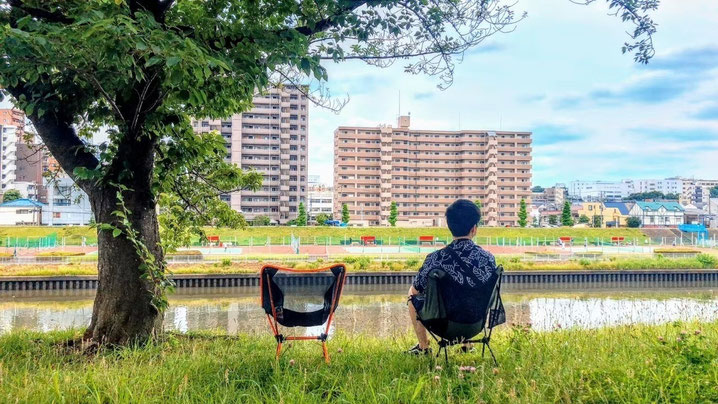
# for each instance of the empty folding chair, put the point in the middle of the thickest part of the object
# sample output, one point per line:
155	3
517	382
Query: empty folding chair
276	285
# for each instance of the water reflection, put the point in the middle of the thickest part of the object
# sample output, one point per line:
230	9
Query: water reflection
380	311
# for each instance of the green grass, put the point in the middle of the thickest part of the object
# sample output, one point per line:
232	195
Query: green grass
633	364
335	235
406	263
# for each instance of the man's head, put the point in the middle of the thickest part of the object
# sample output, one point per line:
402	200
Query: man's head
462	217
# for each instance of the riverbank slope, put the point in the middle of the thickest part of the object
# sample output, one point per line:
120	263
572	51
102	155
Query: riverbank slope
666	363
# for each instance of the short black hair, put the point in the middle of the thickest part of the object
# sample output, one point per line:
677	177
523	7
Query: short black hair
462	216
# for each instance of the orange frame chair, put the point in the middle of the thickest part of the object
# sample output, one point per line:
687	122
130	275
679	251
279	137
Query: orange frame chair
273	304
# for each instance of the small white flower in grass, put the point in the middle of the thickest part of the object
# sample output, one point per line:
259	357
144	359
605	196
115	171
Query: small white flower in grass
339	350
291	362
437	378
472	369
437	367
461	376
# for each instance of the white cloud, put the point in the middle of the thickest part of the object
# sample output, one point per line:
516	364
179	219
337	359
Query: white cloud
561	50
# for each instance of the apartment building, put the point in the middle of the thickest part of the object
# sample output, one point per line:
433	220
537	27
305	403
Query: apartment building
552	197
13	117
272	139
8	157
697	192
600	190
321	200
423	171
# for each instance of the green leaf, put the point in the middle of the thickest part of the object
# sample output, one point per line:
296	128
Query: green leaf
116	232
173	60
153	61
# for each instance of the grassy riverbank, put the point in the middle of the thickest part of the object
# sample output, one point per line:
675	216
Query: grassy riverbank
408	263
666	363
258	235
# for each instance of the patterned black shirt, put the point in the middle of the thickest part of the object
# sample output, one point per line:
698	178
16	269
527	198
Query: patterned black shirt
481	262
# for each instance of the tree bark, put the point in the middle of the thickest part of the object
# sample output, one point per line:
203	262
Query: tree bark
123	312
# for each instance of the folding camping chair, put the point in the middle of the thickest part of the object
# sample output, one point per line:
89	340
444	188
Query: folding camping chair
273	283
480	310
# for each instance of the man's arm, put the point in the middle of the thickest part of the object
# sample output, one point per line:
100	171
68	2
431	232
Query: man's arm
420	281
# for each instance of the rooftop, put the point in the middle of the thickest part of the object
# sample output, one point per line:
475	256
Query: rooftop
22	203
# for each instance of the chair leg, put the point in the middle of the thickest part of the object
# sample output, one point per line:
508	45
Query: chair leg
491	351
279	350
325	352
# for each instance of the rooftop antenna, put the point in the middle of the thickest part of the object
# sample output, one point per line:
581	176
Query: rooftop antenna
399	104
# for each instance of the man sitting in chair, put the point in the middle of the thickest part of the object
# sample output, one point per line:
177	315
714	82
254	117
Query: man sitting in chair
462	218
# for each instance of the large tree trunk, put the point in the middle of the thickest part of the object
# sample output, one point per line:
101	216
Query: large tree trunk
123	312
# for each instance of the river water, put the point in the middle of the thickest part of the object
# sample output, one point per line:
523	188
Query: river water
378	310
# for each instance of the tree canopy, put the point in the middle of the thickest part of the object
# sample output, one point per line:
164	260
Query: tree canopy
11	195
393	214
642	196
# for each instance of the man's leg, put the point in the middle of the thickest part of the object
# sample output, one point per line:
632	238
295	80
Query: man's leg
418	327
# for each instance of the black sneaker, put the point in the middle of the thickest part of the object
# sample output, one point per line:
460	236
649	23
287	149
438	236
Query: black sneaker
416	350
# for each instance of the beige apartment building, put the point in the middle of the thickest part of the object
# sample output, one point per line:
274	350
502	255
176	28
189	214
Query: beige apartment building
423	171
272	139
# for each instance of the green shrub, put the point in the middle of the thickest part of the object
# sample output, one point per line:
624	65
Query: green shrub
363	263
412	262
226	262
707	260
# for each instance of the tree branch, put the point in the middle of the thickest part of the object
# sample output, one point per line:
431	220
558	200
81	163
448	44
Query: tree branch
49	16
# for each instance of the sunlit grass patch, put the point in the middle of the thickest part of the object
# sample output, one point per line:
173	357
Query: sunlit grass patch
669	363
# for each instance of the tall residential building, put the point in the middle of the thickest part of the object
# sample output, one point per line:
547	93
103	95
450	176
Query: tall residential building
272	139
424	171
8	157
13	117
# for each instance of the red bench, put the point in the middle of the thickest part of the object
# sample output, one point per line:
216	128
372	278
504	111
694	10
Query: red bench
366	240
566	240
214	239
617	240
426	239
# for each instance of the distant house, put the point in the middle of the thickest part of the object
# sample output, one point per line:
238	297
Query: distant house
610	214
620	213
659	214
21	212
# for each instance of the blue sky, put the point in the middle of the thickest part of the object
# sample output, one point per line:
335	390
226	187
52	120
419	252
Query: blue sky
595	114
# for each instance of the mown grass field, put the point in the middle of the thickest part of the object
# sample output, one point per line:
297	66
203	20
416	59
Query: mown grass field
334	235
676	363
407	263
